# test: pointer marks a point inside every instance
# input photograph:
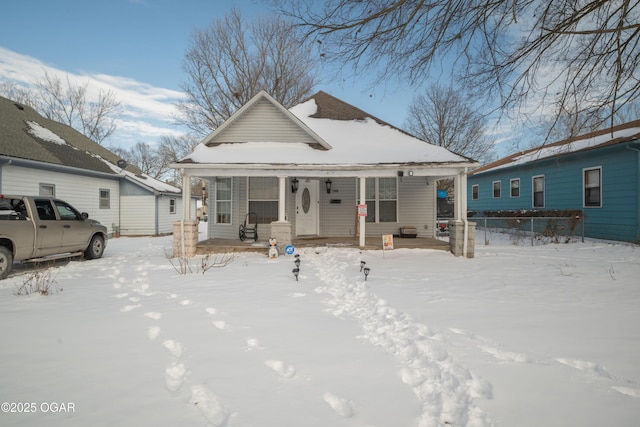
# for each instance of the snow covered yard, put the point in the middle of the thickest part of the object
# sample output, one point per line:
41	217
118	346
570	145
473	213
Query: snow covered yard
518	336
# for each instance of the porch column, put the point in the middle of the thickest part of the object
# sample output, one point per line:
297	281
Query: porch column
186	196
362	219
282	181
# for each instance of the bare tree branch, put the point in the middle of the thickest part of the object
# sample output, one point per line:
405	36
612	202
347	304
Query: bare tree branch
231	60
531	56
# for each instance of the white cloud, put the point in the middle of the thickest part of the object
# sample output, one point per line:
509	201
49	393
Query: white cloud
148	111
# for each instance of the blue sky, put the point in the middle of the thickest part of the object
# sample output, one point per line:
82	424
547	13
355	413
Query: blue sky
135	48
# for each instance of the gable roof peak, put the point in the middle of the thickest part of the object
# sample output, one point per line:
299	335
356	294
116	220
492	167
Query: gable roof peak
221	134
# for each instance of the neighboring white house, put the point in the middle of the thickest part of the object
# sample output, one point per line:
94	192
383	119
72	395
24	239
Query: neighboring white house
314	170
42	157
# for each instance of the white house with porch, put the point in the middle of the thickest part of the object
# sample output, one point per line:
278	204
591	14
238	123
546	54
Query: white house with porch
323	168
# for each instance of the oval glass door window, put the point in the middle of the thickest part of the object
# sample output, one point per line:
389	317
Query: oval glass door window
306	200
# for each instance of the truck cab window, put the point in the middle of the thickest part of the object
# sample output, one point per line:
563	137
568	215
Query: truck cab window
45	210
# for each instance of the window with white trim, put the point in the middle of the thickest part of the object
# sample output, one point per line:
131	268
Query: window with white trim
104	199
47	190
475	191
592	181
497	189
538	191
514	186
382	199
263	198
172	206
223	201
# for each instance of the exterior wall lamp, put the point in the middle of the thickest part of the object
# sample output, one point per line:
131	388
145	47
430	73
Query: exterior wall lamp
294	185
327	184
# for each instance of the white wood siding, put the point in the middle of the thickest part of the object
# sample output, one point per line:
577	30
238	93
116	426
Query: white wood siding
263	123
138	215
416	207
82	192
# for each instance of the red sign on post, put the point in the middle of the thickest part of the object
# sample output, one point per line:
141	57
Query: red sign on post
362	210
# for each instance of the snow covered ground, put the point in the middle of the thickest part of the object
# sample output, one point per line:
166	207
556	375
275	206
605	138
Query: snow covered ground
518	336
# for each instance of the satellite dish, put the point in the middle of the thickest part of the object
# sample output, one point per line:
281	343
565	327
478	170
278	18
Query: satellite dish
122	164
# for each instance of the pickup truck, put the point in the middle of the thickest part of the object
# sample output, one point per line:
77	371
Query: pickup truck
42	228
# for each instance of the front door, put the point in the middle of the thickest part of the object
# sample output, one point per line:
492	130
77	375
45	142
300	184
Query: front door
307	205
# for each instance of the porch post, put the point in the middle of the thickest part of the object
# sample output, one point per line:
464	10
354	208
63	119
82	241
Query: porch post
186	196
362	219
281	198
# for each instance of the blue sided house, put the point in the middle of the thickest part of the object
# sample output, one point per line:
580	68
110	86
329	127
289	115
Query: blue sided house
597	173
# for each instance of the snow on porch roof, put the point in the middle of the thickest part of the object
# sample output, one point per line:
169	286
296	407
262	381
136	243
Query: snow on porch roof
353	137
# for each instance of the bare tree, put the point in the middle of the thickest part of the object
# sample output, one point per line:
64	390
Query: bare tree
442	116
144	157
172	149
231	60
71	104
525	52
17	93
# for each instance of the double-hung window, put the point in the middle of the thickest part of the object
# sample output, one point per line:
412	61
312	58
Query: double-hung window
382	199
104	199
538	191
223	201
515	187
497	189
592	179
475	190
263	198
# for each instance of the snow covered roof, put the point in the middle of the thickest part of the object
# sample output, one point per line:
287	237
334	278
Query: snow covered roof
25	134
345	135
618	134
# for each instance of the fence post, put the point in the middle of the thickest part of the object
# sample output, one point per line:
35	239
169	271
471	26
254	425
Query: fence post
531	231
485	231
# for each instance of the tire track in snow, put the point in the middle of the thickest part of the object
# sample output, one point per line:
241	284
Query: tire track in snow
445	389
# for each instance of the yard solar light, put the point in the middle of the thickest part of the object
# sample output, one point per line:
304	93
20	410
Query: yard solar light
366	273
295	272
297	262
362	264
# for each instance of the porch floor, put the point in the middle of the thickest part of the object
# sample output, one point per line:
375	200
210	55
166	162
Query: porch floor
371	243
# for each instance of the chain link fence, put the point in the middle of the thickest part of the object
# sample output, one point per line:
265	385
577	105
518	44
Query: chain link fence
536	229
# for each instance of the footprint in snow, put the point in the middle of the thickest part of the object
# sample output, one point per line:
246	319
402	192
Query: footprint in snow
281	368
633	392
221	324
211	311
343	407
209	405
153	332
174	376
153	315
174	347
130	307
589	367
506	356
253	344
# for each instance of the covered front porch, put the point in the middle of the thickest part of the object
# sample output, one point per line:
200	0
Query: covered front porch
212	246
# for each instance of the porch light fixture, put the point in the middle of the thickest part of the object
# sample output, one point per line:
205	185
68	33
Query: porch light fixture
294	185
327	184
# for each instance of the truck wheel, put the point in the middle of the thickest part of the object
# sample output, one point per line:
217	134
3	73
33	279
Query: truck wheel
6	262
96	247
